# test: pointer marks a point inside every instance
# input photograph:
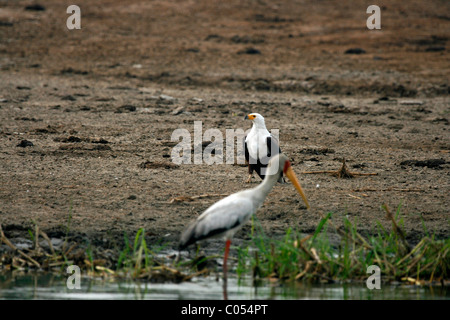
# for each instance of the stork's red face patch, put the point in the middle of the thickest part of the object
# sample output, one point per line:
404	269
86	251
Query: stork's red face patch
287	164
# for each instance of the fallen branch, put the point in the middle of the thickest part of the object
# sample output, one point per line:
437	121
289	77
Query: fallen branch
334	172
396	228
192	198
388	189
36	240
305	271
45	236
343	172
9	244
189	277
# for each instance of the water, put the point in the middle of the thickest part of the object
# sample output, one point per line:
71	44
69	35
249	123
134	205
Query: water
50	286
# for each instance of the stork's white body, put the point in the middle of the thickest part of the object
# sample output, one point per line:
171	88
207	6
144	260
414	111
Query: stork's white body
224	218
230	214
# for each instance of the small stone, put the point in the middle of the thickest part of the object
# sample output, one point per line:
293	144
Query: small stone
166	97
250	51
178	110
25	143
69	98
355	51
411	102
35	7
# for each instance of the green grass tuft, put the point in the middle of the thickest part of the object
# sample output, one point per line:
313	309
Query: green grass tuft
316	258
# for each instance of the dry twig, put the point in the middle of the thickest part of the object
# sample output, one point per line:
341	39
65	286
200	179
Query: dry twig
9	244
343	172
192	198
396	228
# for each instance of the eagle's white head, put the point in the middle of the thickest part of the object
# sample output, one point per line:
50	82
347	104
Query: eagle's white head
257	119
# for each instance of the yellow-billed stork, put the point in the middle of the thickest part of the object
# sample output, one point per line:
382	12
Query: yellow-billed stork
227	216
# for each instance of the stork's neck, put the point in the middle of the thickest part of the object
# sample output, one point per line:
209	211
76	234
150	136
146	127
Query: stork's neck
266	186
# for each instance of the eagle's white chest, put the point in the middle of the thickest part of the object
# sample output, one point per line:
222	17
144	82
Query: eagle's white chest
257	143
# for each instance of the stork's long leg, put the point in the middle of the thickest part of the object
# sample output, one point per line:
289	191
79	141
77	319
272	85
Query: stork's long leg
225	258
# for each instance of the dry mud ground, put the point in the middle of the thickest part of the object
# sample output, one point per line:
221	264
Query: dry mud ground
99	106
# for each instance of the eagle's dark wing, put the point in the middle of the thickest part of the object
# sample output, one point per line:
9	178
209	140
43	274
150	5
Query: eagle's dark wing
272	145
246	154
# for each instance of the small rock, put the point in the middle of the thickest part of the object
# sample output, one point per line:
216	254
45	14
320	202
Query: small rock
157	164
69	98
213	37
23	88
355	51
246	39
166	97
25	143
49	129
166	100
101	147
101	141
22	244
26	119
316	150
434	49
71	70
126	108
178	110
396	126
71	139
250	51
35	7
430	163
385	100
146	90
411	102
439	119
